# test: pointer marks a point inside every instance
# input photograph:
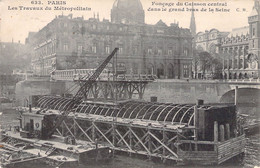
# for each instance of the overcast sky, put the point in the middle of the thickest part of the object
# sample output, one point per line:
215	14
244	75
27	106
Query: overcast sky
16	24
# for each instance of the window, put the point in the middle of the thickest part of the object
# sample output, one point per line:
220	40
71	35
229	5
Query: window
94	48
169	51
185	51
107	49
53	47
120	50
65	47
253	32
150	51
159	51
80	49
135	50
185	71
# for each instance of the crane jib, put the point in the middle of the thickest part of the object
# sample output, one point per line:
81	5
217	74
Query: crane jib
83	90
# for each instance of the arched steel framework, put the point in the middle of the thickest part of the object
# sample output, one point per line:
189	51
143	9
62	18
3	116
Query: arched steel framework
150	111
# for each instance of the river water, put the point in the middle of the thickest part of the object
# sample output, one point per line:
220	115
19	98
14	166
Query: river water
251	159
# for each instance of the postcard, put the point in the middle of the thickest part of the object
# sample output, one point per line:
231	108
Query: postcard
129	83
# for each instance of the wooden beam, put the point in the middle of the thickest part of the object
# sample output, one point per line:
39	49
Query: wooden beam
163	145
84	133
59	132
122	138
140	141
68	128
103	134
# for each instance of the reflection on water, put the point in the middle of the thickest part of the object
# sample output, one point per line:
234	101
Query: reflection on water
251	159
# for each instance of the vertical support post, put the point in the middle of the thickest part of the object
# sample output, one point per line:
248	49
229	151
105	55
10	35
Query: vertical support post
93	132
74	128
236	95
130	141
164	142
178	142
196	124
215	134
113	136
222	133
227	128
62	129
149	142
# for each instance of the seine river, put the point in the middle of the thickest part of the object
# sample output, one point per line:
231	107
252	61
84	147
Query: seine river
251	159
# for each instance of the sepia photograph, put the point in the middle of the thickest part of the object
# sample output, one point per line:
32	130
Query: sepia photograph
129	83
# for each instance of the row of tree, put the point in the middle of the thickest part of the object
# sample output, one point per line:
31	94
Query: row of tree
206	63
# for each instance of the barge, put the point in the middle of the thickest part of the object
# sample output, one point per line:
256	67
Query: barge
102	119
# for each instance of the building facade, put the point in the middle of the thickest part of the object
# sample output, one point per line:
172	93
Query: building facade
241	49
68	43
234	49
238	49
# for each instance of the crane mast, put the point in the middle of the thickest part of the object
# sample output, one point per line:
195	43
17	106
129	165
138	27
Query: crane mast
82	92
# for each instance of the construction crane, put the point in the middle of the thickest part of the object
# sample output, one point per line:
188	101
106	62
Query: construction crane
82	92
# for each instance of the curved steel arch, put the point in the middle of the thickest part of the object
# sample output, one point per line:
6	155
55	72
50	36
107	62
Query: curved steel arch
186	113
140	110
156	110
59	102
67	104
89	106
41	99
149	109
177	113
134	110
107	112
192	117
171	105
177	106
81	109
81	105
86	109
129	108
101	112
45	100
124	108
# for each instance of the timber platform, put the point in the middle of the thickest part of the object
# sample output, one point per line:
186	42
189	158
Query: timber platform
183	133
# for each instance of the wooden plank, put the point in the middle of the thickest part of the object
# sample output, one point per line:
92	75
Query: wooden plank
198	142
